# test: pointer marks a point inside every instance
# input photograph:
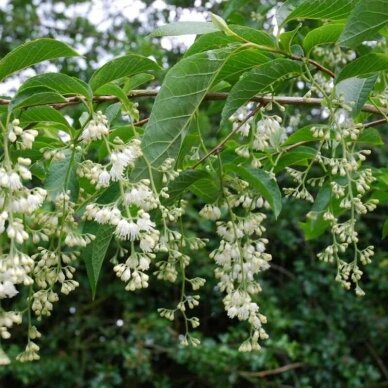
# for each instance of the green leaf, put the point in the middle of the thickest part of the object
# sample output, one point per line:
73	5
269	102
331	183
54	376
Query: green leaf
183	182
43	114
37	95
370	136
184	28
286	38
314	228
315	225
33	52
114	90
355	91
62	175
295	156
364	66
137	80
61	83
328	33
261	181
218	40
208	189
121	67
184	88
259	37
94	254
385	229
258	81
301	135
321	9
240	62
366	19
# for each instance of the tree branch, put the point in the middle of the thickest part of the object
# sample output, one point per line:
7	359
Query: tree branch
275	371
282	100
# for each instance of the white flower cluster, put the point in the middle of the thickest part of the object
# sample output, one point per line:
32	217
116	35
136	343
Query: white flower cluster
96	128
240	257
339	157
267	133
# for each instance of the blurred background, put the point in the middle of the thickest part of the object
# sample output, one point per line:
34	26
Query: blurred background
320	335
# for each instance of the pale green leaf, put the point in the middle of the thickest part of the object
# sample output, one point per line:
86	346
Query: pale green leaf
366	19
364	66
36	95
328	33
33	52
370	136
43	114
184	88
258	81
321	9
184	28
137	80
61	83
121	67
355	91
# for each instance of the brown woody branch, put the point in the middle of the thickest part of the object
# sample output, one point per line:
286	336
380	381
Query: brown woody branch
271	372
282	100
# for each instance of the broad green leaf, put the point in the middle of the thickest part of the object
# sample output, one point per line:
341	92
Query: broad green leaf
94	254
213	41
62	175
184	181
218	40
137	80
321	9
43	114
366	19
121	67
364	66
295	156
258	81
36	95
240	62
328	33
33	52
301	135
314	228
356	91
208	189
114	90
184	28
370	136
184	88
249	34
61	83
261	181
286	38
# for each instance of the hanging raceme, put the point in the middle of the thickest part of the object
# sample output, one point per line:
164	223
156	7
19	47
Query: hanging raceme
106	188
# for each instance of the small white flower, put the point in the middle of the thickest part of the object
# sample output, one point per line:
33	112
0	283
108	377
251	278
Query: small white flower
127	230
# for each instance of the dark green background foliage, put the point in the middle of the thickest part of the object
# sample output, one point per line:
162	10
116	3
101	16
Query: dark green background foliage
326	336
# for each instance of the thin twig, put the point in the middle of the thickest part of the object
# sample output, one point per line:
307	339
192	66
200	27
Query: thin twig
378	359
141	122
220	145
282	100
271	372
376	122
